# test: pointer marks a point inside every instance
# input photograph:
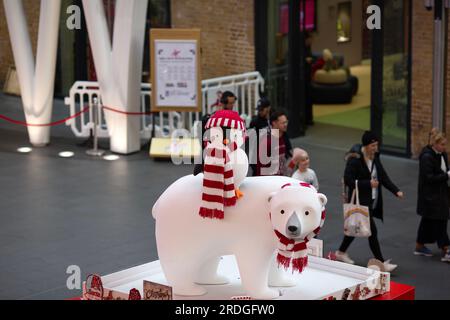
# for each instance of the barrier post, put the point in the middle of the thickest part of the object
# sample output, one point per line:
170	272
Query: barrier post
96	152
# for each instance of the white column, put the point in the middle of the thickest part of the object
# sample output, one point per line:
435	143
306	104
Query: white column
119	67
36	84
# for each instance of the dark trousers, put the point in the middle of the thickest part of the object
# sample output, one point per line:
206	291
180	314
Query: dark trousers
431	231
373	242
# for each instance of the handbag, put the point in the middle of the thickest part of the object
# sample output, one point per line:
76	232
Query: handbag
356	217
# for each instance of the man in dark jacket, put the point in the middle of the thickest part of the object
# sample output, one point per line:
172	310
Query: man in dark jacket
432	200
370	174
260	124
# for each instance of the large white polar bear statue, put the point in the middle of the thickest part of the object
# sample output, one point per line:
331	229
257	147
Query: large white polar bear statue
190	247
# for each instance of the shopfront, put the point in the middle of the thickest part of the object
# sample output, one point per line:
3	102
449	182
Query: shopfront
341	26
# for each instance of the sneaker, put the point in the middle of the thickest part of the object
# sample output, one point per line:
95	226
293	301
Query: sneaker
446	257
343	257
424	251
388	266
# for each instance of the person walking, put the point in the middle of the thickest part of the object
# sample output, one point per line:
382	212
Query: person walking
370	174
432	199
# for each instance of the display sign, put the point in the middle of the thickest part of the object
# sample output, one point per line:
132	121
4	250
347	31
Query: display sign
157	291
175	70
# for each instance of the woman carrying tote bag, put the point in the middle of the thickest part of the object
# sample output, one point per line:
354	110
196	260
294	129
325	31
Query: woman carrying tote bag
369	172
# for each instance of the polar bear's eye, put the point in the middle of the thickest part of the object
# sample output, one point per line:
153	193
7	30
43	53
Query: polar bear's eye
306	213
282	211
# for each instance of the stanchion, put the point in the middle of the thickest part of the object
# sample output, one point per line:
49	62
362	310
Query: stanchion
96	152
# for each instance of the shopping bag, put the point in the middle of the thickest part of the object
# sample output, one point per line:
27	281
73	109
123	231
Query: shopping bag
356	217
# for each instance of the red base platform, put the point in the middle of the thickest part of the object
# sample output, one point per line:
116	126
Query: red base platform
398	292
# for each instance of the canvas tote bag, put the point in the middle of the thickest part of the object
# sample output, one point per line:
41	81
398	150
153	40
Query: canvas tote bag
356	217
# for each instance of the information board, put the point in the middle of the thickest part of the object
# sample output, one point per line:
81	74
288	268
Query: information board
175	70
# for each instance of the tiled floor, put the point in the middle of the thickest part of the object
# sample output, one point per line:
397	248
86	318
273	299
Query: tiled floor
95	214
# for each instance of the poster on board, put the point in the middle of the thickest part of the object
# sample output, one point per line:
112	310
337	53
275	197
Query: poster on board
175	70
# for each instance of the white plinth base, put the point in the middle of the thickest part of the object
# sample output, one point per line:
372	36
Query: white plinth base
322	279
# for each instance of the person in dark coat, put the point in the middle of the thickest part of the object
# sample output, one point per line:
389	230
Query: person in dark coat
432	200
368	170
259	124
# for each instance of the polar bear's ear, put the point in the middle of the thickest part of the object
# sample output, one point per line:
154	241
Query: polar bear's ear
323	199
271	196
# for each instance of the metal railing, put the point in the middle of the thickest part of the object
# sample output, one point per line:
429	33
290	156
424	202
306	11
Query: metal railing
247	87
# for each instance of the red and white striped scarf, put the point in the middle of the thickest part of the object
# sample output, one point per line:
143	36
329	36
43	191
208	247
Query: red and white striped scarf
218	183
295	250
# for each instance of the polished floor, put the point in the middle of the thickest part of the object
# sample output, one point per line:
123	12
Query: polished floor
95	214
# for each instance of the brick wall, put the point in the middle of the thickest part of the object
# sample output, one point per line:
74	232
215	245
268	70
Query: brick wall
422	78
227	33
31	8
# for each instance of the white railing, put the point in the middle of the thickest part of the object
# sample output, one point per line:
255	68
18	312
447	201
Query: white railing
246	87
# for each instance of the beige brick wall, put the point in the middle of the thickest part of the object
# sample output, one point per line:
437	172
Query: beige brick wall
6	56
422	78
227	33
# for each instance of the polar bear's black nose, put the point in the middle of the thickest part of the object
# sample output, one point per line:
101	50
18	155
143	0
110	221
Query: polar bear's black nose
293	226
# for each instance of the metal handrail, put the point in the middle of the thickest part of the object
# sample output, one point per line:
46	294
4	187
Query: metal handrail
247	87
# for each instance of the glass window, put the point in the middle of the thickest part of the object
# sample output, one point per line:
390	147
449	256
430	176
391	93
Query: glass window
158	16
277	47
396	75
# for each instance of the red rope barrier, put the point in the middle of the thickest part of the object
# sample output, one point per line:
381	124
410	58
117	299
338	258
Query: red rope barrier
26	124
127	113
